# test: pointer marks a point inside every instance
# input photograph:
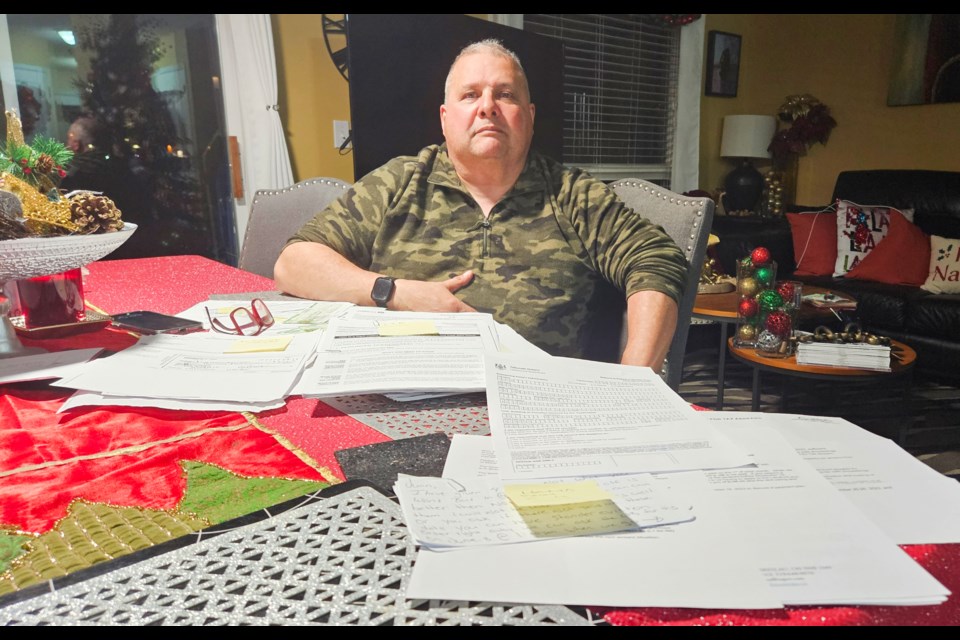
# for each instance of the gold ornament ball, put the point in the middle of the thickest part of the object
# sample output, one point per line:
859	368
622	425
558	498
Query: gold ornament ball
749	287
747	332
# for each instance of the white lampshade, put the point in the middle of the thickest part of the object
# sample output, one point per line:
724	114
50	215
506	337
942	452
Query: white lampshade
747	136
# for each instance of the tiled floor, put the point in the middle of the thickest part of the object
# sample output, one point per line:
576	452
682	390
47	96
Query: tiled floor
933	413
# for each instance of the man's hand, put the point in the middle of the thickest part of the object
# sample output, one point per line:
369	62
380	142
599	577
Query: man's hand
417	295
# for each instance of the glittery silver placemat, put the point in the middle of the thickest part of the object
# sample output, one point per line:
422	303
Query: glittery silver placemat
465	413
340	560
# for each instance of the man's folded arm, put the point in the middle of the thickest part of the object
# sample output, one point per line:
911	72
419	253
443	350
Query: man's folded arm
314	271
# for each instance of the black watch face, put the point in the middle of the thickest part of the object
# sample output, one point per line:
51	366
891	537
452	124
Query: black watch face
382	290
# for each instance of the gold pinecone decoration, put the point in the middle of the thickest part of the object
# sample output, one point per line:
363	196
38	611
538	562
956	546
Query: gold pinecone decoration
95	213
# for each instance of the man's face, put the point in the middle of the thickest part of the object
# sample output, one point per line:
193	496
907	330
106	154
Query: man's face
74	142
487	113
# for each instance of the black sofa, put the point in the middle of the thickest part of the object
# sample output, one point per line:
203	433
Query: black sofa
930	323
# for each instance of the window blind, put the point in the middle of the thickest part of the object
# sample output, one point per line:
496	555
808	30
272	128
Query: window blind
620	91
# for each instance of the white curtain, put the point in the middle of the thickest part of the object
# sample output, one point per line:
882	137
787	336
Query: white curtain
249	68
686	139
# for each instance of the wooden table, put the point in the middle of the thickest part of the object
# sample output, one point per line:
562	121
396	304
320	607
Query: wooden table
722	308
900	364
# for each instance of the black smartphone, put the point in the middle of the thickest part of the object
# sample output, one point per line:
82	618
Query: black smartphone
150	323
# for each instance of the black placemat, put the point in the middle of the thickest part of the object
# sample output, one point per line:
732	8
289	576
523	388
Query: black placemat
380	463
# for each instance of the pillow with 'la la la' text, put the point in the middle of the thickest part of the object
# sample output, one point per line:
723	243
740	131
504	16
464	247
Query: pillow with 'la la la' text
860	228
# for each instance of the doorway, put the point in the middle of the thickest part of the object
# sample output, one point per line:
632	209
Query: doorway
144	90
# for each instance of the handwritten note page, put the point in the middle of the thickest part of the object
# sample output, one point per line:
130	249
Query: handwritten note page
442	512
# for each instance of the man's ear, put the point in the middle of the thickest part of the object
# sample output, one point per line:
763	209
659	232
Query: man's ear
443	119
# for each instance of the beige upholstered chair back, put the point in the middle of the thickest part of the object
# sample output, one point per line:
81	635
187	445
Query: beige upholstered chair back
688	222
277	215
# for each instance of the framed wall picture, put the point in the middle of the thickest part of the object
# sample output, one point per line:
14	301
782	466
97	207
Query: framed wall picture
723	64
926	61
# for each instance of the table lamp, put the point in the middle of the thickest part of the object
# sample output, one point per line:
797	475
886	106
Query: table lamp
745	138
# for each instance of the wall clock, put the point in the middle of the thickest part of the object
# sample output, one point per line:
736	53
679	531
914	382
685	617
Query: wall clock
335	37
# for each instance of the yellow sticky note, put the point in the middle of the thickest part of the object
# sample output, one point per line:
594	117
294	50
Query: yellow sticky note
409	328
258	345
581	519
545	495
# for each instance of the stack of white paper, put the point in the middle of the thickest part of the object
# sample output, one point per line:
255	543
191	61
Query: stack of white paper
199	367
373	350
777	531
855	355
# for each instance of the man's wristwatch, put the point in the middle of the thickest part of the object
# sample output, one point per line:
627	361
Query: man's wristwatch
383	290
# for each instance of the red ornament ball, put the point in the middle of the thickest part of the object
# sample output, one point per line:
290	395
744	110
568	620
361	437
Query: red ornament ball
778	323
748	308
760	256
786	290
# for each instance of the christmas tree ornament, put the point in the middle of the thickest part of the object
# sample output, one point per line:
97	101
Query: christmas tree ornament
760	256
765	276
769	300
779	323
747	333
748	307
748	287
768	342
786	289
745	266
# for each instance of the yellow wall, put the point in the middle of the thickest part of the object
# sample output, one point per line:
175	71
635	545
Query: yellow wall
845	61
312	95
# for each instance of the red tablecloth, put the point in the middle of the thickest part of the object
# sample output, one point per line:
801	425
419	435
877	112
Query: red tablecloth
171	284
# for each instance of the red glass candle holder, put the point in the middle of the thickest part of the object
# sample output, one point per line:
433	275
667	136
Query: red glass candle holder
57	299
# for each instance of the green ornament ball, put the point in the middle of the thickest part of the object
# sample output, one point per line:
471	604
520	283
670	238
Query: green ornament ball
764	276
770	300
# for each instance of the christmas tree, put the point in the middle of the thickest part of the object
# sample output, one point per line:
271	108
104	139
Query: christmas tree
138	136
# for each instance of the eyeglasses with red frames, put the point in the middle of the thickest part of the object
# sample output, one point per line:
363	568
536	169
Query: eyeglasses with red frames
244	321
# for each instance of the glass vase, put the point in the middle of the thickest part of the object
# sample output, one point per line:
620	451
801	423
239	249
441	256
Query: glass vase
754	284
51	300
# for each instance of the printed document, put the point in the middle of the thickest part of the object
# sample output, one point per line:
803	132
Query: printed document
290	316
909	501
702	563
43	366
196	366
373	350
560	417
812	544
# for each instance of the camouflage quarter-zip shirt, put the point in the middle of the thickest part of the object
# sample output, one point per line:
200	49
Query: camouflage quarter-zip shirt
537	258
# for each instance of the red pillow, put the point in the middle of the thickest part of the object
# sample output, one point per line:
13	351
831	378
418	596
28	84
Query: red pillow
814	242
903	257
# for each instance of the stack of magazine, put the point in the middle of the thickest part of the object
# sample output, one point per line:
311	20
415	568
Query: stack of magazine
857	355
829	300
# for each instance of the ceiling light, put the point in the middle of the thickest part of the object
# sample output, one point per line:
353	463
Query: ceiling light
67	36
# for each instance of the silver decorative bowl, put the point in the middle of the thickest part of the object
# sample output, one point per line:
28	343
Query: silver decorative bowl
31	257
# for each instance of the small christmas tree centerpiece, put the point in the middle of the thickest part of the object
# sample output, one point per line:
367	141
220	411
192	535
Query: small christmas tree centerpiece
30	203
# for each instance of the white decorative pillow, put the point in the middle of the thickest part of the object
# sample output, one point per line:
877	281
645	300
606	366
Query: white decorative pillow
944	276
859	229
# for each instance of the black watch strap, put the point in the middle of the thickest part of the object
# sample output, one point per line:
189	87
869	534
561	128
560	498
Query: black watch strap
382	290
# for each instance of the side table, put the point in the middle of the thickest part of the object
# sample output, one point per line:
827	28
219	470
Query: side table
722	308
901	364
